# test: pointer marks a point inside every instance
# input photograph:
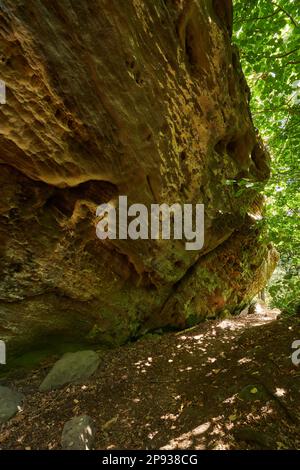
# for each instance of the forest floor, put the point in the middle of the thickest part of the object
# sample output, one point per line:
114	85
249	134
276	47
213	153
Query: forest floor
224	384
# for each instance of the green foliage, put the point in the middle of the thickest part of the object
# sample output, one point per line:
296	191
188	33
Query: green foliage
268	35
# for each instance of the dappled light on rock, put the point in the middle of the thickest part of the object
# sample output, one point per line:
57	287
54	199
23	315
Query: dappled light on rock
136	98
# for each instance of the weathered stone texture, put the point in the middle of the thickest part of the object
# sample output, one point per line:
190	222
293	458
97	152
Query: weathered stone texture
109	97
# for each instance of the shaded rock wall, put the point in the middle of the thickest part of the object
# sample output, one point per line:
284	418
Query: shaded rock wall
109	97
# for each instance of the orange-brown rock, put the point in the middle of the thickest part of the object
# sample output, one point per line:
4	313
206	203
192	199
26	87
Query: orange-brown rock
140	98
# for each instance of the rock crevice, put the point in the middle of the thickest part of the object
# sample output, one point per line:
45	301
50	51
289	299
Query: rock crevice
138	98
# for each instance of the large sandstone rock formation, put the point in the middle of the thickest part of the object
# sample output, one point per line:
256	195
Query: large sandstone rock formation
144	98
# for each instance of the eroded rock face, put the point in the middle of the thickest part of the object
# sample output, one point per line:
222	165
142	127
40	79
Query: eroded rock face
139	98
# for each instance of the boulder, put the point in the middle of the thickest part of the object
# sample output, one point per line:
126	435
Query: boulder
71	368
10	403
109	98
78	434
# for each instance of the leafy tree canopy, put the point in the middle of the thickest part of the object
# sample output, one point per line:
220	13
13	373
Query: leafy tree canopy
268	35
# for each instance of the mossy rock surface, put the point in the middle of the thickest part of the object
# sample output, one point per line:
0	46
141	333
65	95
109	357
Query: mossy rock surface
71	368
78	433
10	401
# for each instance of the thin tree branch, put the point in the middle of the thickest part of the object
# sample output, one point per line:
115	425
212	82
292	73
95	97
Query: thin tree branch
286	13
258	17
276	108
280	56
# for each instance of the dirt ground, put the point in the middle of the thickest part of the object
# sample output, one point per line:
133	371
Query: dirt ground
226	384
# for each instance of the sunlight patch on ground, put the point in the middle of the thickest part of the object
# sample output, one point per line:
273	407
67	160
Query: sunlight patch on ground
244	360
280	392
228	324
231	399
185	440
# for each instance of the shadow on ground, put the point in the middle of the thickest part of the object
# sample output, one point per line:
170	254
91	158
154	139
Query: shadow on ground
227	384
